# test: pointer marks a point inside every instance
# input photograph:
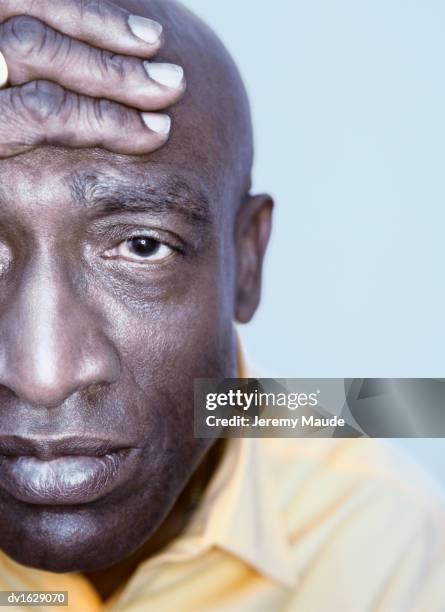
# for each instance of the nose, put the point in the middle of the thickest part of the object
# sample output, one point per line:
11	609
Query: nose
52	342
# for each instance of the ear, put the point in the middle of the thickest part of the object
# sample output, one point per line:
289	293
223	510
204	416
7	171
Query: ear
252	233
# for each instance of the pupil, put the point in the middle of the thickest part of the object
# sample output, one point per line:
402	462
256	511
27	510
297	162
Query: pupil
142	246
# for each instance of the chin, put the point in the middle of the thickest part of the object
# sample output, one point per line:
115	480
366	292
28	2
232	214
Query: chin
69	540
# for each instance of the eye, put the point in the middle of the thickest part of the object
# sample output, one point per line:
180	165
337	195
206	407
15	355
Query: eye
140	249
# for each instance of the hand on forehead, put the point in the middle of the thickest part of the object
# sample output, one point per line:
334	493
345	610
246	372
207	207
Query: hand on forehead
81	75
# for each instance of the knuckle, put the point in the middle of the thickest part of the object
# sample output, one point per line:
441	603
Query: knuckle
108	111
112	65
41	99
25	35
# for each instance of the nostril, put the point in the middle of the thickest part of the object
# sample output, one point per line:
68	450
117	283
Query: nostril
7	396
93	393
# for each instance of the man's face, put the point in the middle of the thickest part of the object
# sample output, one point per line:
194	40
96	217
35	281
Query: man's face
116	291
120	278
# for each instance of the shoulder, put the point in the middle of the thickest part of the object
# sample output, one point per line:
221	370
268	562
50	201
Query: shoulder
361	513
322	471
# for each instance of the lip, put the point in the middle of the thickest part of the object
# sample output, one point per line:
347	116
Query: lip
63	471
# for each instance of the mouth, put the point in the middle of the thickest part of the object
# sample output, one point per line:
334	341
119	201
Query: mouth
63	471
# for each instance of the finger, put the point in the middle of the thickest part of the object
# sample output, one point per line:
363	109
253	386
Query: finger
97	22
35	51
43	113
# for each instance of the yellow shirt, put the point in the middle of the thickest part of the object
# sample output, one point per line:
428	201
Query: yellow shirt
304	525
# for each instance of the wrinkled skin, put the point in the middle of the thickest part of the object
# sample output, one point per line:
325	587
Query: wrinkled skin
93	344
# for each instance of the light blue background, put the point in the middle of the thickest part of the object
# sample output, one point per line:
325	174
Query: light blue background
348	102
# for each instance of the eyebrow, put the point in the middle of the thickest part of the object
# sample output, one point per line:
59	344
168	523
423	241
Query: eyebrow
104	194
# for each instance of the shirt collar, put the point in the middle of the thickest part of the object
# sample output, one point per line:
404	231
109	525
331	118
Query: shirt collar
241	514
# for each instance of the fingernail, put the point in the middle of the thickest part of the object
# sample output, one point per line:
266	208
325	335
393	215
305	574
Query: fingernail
169	75
157	123
146	29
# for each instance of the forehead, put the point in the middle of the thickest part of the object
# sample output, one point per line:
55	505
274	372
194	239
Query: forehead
61	182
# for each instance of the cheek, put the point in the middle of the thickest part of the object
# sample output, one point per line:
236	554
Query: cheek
165	340
179	334
182	340
164	343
